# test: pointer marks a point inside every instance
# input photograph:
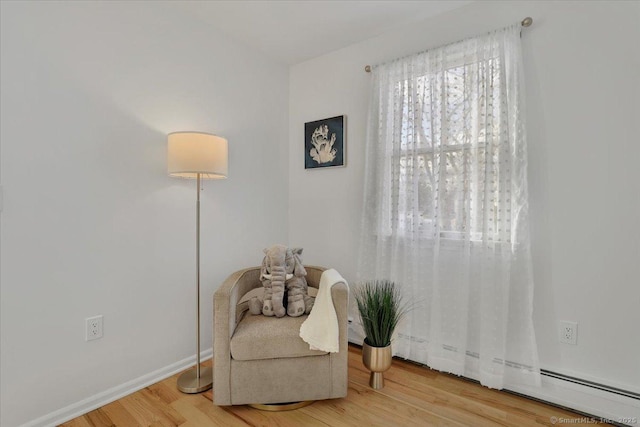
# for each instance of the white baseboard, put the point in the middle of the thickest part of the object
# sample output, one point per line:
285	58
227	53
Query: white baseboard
96	401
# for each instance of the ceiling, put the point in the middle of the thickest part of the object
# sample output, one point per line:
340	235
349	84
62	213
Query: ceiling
294	31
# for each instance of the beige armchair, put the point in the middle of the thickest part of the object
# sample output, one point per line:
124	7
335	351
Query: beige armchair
263	360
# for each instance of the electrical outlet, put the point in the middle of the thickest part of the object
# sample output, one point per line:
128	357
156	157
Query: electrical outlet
94	328
568	332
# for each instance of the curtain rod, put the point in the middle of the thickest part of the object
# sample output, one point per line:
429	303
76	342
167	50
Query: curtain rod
526	22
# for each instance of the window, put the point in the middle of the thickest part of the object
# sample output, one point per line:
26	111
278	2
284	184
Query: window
449	159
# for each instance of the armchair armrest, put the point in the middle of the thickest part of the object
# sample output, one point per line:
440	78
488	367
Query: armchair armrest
228	295
225	301
339	364
340	296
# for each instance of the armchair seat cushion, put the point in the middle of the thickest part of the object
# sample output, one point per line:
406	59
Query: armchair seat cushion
260	337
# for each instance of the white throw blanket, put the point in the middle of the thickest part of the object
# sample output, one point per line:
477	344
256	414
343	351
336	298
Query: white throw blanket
320	329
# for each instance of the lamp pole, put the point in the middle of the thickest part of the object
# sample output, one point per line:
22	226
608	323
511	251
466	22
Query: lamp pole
198	380
202	156
198	277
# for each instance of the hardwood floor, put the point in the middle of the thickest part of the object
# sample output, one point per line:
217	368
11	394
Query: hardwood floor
412	396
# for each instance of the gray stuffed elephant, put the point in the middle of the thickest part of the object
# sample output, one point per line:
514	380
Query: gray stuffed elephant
298	300
282	270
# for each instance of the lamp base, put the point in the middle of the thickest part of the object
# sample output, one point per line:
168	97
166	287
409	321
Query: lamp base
188	382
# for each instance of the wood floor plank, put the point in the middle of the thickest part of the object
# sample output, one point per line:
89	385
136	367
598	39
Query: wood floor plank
161	408
413	396
188	409
220	416
330	412
81	421
376	409
166	391
145	412
99	418
119	415
259	418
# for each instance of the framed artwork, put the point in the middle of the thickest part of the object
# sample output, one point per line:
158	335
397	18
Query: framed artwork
324	143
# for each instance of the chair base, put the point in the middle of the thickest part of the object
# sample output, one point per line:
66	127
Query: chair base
277	407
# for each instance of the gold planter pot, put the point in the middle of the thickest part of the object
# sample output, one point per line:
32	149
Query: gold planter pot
377	360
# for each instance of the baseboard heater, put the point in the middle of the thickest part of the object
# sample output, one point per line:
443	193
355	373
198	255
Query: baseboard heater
583	383
591	384
544	372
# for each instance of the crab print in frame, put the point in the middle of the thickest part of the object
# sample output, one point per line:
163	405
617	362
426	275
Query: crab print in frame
324	143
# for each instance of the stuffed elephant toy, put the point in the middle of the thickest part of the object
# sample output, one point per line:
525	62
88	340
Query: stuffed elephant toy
281	271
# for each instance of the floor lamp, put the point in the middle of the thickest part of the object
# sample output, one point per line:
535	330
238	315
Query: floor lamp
200	156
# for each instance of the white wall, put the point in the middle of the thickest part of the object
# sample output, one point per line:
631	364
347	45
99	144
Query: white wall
91	222
582	65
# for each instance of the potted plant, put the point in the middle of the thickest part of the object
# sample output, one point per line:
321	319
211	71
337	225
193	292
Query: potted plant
380	307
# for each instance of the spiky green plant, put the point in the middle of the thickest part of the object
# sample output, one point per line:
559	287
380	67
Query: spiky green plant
381	308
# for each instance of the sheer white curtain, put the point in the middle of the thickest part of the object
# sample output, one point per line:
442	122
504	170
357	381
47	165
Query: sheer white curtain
446	211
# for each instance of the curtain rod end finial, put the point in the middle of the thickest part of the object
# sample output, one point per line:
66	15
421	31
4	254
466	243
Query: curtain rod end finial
367	68
526	22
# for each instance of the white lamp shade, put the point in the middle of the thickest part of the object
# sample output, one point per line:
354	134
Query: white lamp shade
192	153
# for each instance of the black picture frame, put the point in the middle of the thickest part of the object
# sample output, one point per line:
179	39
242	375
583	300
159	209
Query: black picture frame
324	143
